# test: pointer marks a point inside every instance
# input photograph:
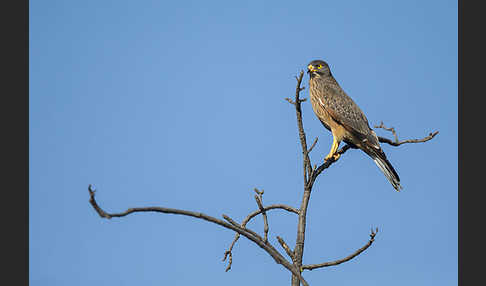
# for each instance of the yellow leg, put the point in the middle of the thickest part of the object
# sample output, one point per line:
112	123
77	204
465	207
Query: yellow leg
334	148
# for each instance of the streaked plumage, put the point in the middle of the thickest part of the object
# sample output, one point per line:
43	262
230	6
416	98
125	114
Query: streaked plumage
342	116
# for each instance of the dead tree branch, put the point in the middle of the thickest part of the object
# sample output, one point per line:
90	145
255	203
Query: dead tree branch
298	111
284	245
396	142
312	146
228	253
391	129
259	201
347	258
251	235
299	244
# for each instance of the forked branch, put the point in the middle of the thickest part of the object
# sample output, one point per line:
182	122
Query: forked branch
259	201
229	253
396	142
251	235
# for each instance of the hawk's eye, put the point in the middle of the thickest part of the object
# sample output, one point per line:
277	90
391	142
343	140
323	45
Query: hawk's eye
319	67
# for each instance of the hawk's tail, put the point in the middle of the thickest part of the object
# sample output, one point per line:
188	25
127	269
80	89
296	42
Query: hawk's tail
385	166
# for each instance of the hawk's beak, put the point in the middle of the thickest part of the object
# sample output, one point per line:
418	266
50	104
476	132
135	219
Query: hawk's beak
310	68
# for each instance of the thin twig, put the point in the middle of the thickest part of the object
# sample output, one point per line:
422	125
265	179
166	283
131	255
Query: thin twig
230	254
270	207
391	129
396	142
290	100
347	258
284	245
258	192
312	146
425	139
259	201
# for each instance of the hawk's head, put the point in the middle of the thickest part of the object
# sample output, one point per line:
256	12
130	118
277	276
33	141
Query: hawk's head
318	68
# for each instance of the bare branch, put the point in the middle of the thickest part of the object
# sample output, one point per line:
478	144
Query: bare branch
230	220
300	100
228	252
298	112
312	146
252	236
391	129
258	192
347	258
425	139
227	218
248	218
259	201
284	245
270	207
396	142
307	166
290	100
317	171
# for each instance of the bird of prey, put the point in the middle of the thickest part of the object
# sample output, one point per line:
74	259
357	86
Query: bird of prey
342	116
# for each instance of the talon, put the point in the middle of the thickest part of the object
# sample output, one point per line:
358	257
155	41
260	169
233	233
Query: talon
301	269
336	156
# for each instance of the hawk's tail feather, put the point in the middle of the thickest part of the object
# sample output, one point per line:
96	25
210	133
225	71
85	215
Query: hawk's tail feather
386	167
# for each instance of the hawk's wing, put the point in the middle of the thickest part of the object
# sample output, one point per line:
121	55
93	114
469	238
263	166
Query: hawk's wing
345	111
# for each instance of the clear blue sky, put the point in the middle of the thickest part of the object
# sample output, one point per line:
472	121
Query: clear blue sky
181	104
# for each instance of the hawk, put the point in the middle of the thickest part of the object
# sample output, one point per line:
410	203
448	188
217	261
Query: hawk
342	116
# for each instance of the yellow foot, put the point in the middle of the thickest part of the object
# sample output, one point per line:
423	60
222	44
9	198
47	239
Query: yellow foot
334	157
301	269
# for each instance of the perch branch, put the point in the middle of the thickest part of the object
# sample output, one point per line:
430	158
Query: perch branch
347	258
327	163
317	171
